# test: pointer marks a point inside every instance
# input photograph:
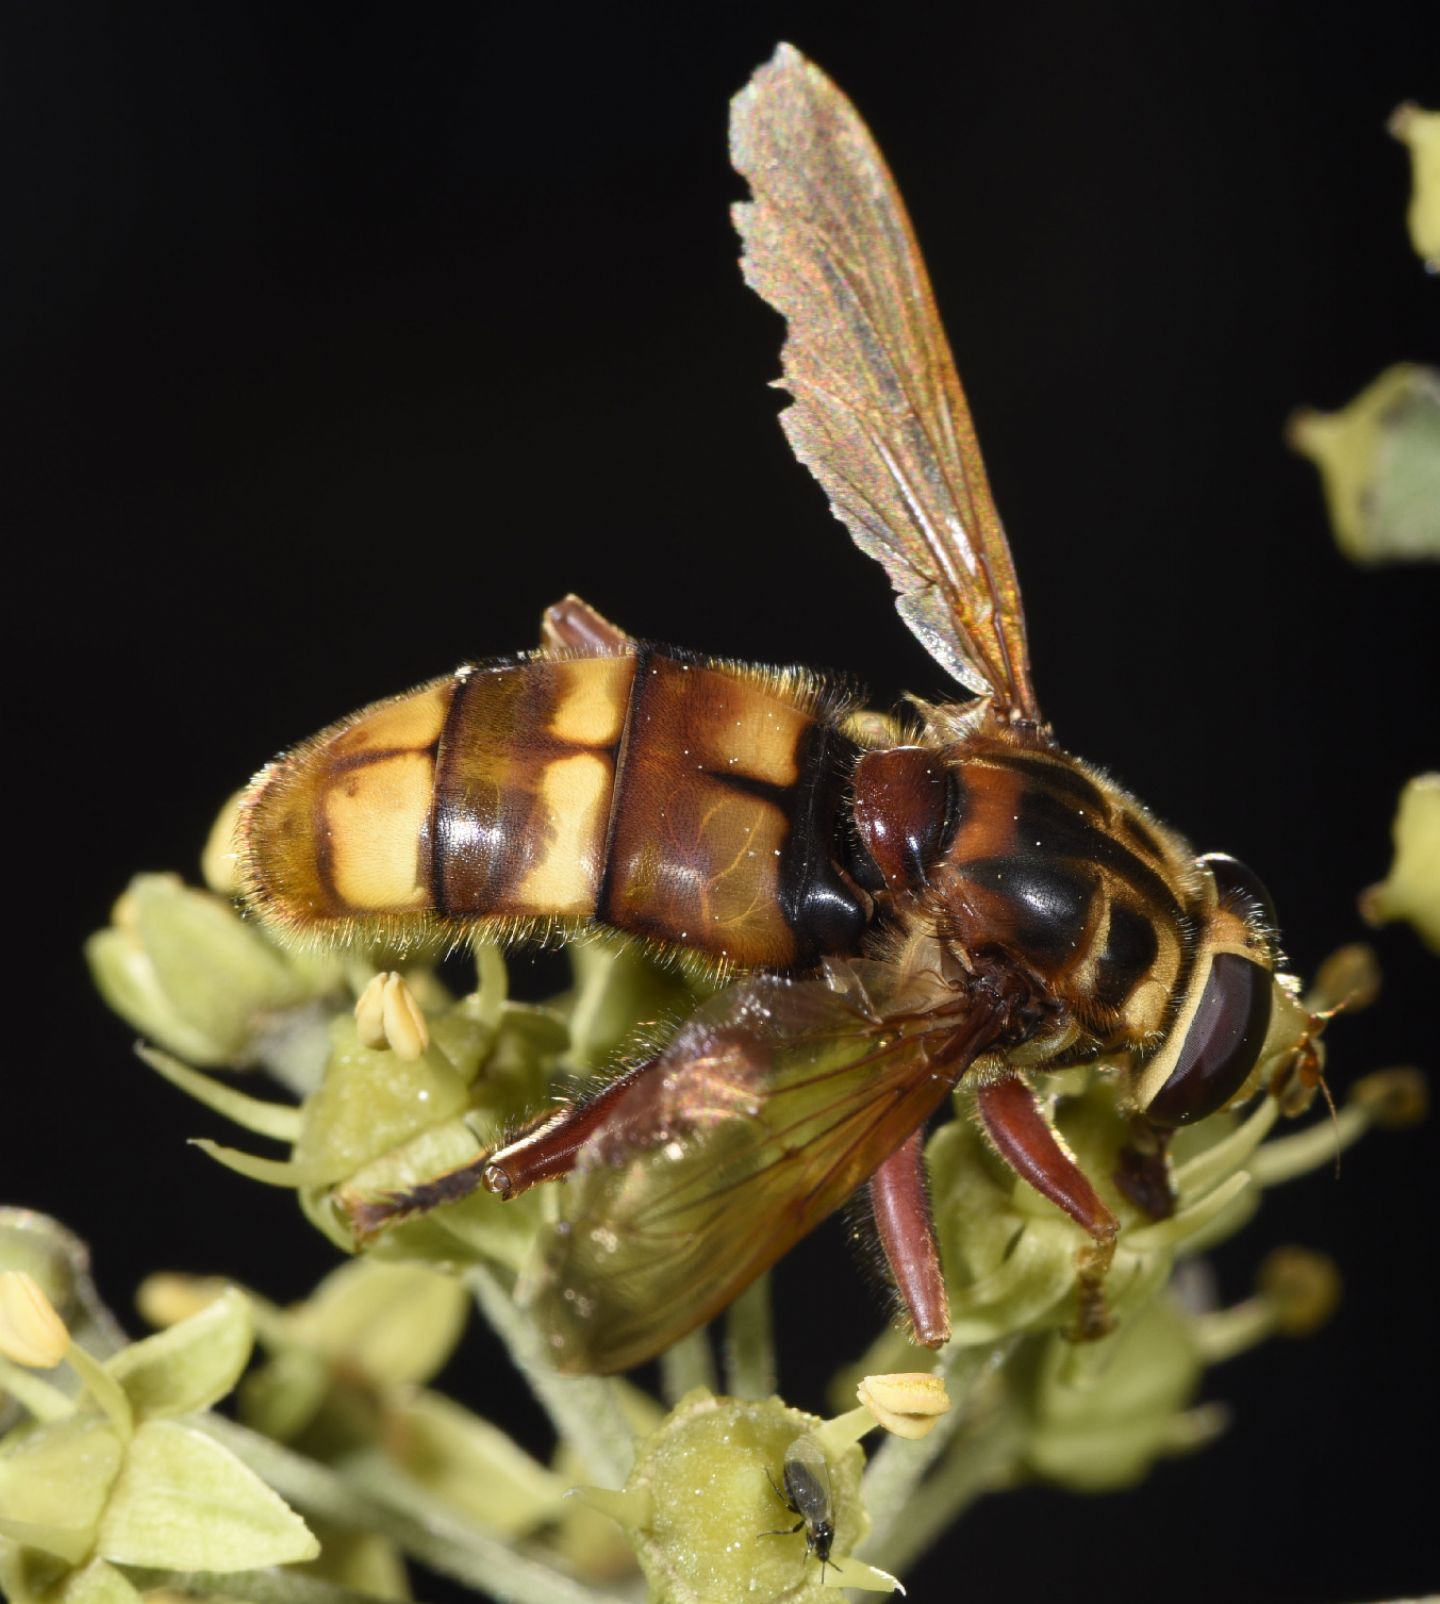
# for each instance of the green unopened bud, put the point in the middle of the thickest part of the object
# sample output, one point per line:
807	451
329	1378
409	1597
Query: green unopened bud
1412	888
471	1465
1420	130
391	1324
1104	1427
220	859
1379	461
184	969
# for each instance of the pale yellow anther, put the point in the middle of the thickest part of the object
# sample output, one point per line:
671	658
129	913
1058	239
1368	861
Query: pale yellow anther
220	861
387	1015
1393	1098
31	1333
907	1403
1302	1289
166	1298
1349	978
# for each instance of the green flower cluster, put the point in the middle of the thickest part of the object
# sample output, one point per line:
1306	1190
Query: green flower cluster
116	1477
398	1082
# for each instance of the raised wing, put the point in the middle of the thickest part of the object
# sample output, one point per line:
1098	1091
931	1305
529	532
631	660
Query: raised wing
879	416
774	1103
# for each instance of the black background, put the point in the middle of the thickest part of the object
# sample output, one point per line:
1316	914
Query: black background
344	340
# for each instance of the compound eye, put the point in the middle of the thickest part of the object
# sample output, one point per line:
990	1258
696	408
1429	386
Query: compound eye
1222	1044
1238	882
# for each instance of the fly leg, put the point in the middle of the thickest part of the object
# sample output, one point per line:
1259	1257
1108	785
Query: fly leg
550	1149
574	625
901	1206
545	1152
1013	1120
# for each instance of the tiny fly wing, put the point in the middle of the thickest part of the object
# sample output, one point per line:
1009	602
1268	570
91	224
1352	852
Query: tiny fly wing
879	416
807	1481
769	1108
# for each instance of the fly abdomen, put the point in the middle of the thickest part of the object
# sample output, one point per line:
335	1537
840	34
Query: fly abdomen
693	803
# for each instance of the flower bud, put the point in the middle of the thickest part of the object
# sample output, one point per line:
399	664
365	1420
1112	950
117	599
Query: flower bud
1379	466
1420	130
1412	888
220	858
185	970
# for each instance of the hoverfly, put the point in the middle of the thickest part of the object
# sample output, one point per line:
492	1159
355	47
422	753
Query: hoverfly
892	907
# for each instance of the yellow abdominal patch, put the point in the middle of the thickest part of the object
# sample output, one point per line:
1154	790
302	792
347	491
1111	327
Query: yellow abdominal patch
575	801
408	723
375	816
592	695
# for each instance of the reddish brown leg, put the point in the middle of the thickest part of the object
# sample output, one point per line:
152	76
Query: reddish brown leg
907	1233
574	625
544	1153
551	1148
1023	1137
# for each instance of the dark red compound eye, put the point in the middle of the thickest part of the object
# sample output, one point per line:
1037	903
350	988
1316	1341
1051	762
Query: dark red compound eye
1222	1044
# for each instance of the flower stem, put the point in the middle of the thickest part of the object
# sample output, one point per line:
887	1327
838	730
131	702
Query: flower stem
585	1409
894	1474
749	1342
42	1399
687	1364
976	1462
410	1517
269	1586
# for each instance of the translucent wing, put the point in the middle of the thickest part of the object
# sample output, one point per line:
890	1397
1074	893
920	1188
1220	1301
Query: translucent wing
879	416
774	1103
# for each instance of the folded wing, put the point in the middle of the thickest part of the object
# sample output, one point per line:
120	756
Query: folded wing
773	1104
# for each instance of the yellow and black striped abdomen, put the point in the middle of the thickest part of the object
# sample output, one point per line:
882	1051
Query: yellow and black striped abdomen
690	802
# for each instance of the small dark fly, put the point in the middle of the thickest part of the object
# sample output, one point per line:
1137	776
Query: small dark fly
806	1493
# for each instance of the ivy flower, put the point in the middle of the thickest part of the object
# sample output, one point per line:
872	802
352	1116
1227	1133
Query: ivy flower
119	1477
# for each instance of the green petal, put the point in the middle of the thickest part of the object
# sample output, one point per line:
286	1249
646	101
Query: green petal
54	1481
188	1367
195	975
95	1583
185	1503
393	1323
281	1398
465	1461
372	1101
